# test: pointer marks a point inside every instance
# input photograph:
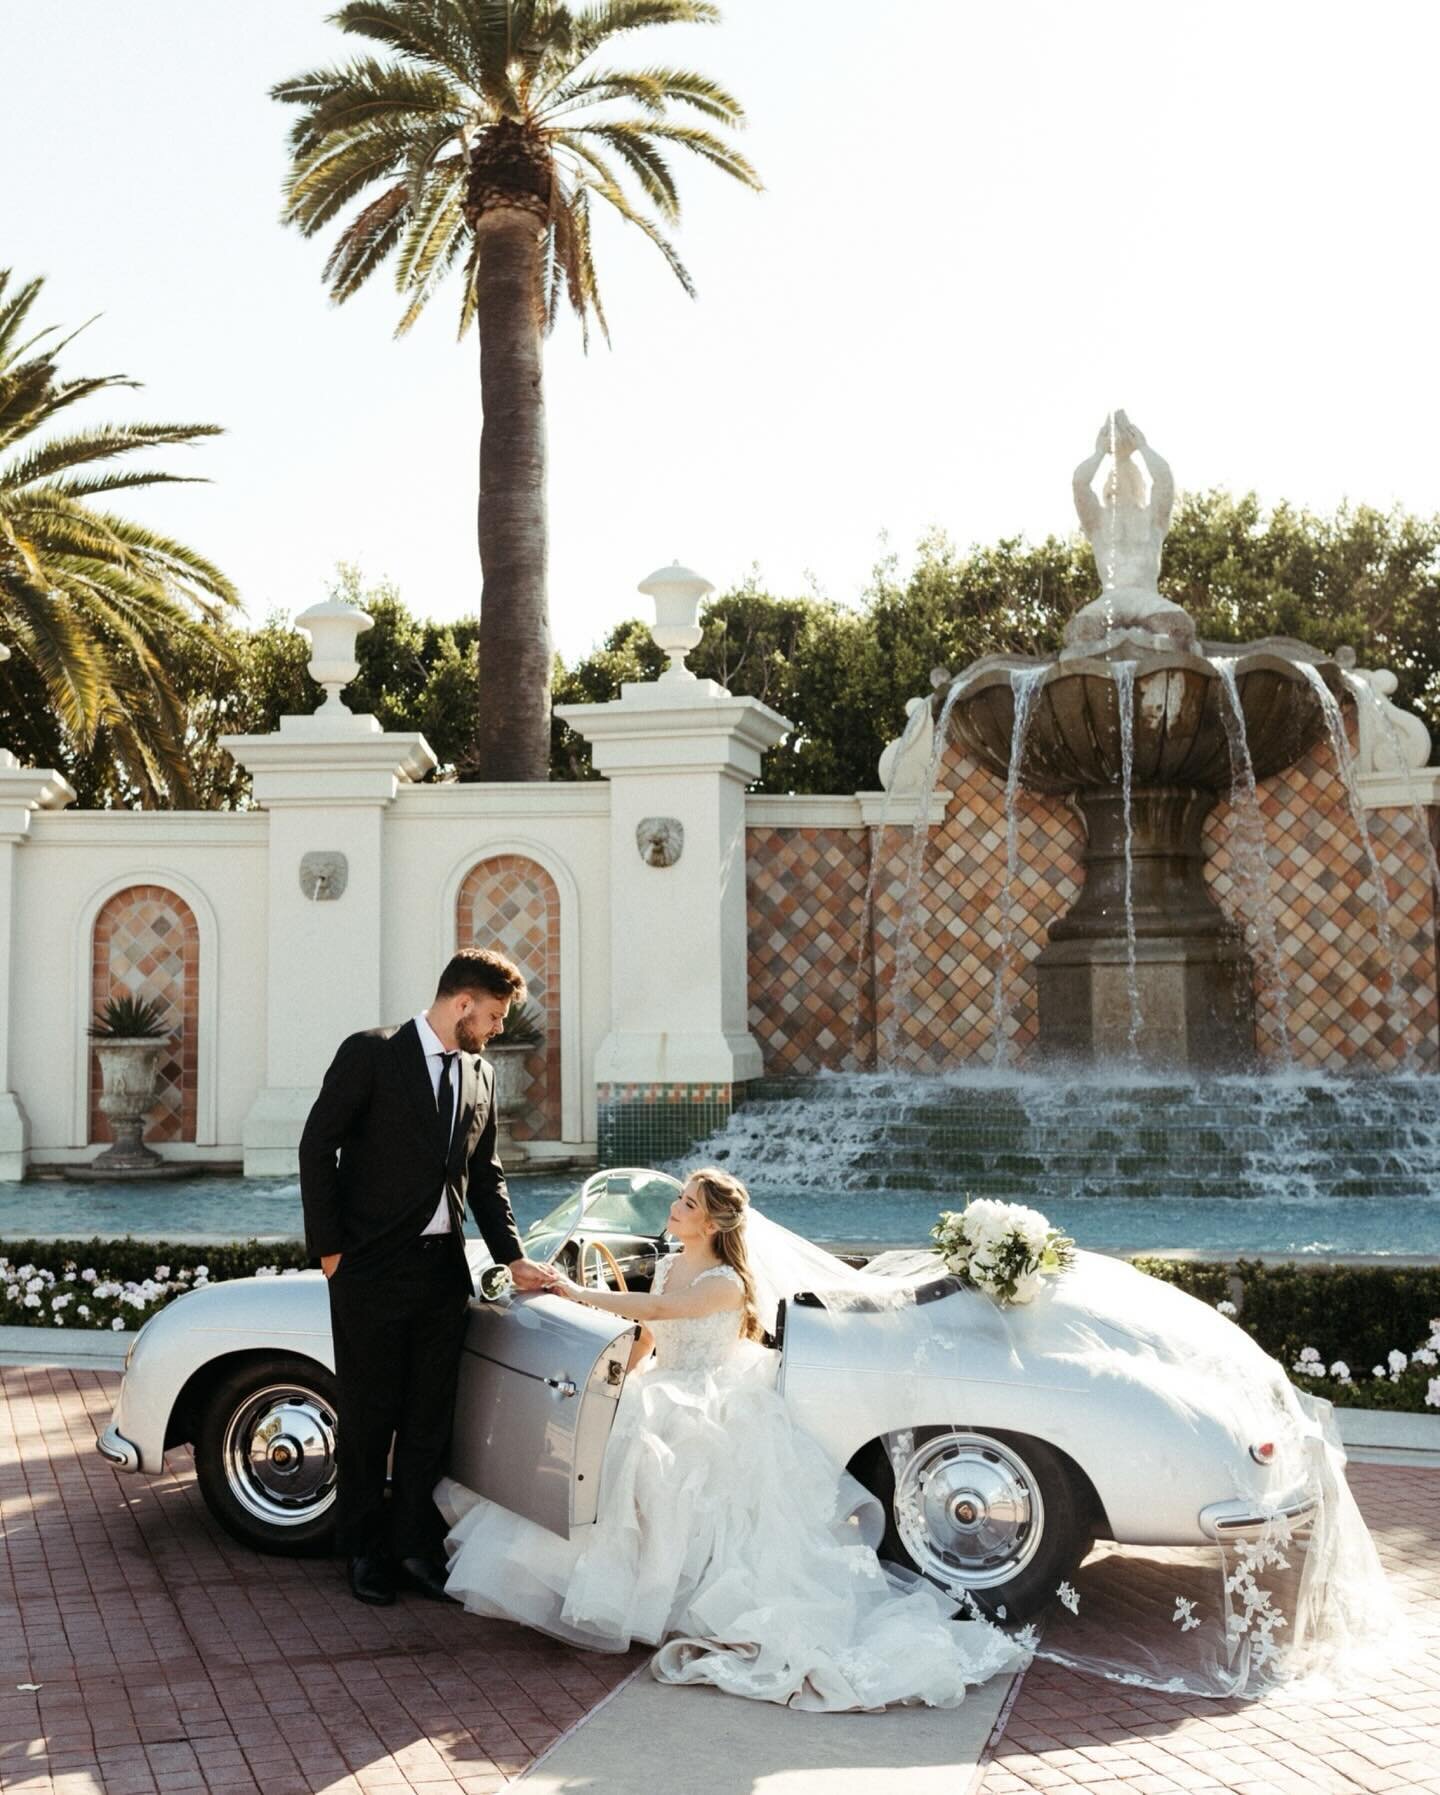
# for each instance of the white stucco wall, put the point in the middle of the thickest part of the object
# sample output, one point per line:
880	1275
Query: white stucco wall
430	837
71	863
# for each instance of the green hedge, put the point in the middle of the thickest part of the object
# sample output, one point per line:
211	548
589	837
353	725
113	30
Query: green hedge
1354	1315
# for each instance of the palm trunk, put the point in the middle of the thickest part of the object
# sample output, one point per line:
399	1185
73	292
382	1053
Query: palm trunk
512	735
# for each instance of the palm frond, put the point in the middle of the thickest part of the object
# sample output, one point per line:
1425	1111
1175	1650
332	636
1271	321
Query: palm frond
652	88
632	144
366	241
99	445
597	24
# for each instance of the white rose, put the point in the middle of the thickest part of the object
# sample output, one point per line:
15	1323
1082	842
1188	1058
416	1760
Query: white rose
117	1326
1432	1393
84	1311
32	1301
89	1275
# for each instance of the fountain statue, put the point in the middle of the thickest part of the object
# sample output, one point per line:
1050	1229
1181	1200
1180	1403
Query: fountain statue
1126	530
1143	729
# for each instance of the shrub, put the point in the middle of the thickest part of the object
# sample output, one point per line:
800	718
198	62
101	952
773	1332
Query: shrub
1360	1335
120	1284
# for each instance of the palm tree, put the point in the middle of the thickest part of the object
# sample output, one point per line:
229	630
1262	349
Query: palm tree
90	600
491	132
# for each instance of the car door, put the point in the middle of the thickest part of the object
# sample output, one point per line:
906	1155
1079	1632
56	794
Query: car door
539	1381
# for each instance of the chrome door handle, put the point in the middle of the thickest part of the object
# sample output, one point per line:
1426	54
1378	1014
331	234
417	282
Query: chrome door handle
563	1386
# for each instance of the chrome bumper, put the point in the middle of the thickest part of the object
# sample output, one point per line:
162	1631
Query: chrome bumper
1239	1519
117	1450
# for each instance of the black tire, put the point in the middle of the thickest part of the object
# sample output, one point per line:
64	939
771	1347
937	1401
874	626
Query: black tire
277	1493
1010	1569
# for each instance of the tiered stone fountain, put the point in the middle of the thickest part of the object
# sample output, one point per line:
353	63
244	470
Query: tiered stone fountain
1137	724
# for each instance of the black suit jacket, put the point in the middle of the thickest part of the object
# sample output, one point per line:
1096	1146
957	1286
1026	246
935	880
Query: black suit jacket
374	1160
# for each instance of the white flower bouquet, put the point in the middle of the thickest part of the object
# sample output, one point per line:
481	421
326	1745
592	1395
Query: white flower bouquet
1004	1249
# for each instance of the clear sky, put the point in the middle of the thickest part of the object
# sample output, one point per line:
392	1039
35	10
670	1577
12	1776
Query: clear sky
983	226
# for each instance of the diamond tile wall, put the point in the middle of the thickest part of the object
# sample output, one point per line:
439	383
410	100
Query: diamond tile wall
146	944
511	904
953	914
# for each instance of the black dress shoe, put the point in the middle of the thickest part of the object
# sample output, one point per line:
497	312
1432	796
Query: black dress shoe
371	1580
425	1574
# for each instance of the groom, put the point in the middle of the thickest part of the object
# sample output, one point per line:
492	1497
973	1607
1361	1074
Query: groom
403	1131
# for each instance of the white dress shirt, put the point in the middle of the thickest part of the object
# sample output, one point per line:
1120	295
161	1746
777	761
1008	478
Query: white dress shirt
435	1050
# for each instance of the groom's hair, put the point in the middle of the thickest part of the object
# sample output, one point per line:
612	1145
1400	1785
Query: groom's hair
482	969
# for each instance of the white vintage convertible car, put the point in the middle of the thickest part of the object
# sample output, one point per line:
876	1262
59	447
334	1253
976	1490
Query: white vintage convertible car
1002	1442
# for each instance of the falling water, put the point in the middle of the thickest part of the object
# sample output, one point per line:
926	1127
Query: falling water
1252	865
1024	686
1344	760
1125	700
902	985
864	950
1366	694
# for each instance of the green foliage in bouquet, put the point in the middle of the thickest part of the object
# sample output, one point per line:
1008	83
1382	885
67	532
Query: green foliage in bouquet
1004	1249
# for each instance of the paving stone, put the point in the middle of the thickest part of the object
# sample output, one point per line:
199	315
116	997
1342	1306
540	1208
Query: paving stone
1380	1739
170	1659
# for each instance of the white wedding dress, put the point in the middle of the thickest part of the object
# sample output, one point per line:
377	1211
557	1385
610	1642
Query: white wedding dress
730	1539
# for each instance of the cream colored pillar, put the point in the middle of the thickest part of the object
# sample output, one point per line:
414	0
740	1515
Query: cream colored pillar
679	753
23	791
326	781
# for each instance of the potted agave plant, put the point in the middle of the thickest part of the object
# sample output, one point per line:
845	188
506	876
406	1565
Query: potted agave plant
508	1052
130	1034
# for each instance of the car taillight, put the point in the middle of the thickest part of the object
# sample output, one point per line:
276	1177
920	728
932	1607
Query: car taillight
1263	1454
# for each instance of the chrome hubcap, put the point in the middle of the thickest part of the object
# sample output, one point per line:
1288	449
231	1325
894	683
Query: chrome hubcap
279	1455
968	1509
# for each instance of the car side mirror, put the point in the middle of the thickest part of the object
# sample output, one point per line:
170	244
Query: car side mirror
496	1284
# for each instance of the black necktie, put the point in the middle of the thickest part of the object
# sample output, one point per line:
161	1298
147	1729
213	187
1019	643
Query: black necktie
445	1100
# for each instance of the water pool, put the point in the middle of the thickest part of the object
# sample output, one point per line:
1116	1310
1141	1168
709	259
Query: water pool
229	1208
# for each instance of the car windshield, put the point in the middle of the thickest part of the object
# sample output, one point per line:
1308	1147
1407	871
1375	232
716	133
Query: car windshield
627	1202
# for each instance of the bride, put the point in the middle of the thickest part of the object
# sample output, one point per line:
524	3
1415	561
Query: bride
726	1536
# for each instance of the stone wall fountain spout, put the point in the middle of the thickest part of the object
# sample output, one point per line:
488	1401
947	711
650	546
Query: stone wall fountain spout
1137	724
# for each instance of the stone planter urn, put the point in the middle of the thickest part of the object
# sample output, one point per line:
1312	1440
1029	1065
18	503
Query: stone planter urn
511	1082
129	1074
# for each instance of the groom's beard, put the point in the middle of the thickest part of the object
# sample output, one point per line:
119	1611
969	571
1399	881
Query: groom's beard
470	1035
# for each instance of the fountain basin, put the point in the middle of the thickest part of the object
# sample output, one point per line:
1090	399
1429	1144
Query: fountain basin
1073	737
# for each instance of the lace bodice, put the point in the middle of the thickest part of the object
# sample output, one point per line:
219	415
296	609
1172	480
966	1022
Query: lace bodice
696	1345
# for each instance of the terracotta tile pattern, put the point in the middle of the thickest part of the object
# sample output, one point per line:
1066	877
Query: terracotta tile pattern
511	904
146	943
809	949
1349	1003
169	1658
876	945
1067	1732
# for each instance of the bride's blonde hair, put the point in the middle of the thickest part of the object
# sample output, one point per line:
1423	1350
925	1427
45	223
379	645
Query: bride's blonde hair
725	1201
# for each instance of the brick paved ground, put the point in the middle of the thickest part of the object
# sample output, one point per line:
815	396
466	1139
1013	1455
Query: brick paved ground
1069	1733
169	1658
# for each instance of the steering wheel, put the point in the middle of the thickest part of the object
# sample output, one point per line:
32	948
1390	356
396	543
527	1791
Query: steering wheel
612	1265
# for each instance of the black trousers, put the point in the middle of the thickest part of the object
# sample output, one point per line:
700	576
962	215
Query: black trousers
398	1334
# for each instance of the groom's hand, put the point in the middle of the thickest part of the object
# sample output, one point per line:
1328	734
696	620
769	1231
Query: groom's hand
527	1274
330	1263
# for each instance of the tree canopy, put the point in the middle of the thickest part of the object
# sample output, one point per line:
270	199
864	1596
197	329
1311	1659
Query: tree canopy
842	673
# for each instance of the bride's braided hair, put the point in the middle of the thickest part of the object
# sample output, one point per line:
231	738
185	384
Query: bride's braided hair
726	1200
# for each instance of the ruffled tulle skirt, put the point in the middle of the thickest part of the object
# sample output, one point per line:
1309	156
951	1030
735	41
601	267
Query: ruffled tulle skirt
728	1538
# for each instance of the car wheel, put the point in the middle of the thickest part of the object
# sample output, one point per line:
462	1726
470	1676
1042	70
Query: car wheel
265	1455
1001	1517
